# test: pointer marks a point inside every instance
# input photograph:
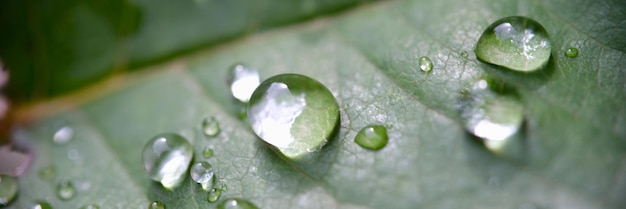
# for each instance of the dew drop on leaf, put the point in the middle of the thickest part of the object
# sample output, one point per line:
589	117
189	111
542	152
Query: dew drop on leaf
66	190
571	52
8	189
41	205
210	126
156	205
242	80
464	54
207	152
373	137
166	158
516	43
63	135
293	113
214	195
490	116
425	64
202	173
236	204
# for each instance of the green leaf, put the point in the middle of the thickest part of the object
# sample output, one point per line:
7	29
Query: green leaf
573	148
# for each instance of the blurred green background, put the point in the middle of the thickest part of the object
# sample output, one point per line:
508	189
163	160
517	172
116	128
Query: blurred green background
53	47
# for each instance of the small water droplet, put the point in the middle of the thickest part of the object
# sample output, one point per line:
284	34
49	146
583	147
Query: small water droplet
202	173
293	113
373	137
516	43
242	81
41	205
571	52
207	152
210	126
8	189
490	116
214	195
236	204
90	207
157	205
425	64
464	54
47	173
166	158
63	135
66	190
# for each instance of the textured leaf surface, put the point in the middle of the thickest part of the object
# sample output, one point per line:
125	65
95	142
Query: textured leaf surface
573	142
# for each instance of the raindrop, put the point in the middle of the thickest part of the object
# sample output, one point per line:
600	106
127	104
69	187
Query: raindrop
41	205
63	135
571	52
90	207
66	190
207	152
464	54
8	189
210	126
425	64
157	205
293	113
166	158
490	116
373	137
242	81
202	173
516	43
236	204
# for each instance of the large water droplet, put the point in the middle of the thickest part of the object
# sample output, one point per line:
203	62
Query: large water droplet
571	52
490	116
202	173
63	135
41	205
166	158
156	205
66	190
373	137
425	64
236	204
242	81
90	207
8	189
517	43
294	113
